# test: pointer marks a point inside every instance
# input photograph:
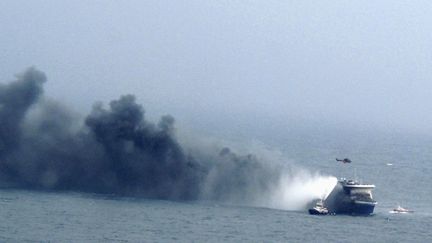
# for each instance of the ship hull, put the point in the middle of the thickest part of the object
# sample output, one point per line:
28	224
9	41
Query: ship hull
340	201
363	209
354	209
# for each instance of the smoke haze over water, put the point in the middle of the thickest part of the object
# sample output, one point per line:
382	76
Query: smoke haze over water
116	150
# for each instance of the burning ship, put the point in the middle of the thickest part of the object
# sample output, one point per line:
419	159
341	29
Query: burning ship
350	197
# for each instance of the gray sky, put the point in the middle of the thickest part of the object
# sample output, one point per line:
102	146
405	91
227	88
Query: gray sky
363	64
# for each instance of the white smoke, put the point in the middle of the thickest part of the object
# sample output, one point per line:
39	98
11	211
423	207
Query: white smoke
296	191
295	188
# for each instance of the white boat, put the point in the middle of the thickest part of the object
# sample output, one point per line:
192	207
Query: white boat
400	209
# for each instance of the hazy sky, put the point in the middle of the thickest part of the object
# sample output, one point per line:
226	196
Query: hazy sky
366	64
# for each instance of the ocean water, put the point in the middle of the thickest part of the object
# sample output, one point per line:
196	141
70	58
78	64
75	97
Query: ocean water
35	216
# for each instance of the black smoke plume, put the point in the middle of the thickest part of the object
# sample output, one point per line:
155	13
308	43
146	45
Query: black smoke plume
114	150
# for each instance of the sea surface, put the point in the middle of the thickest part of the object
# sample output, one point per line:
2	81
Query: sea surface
400	170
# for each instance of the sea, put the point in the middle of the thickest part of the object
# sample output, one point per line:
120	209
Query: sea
400	168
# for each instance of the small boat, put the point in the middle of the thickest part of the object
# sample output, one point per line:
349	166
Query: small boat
400	209
319	209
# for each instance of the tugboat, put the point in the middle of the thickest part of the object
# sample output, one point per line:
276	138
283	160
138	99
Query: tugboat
351	197
319	209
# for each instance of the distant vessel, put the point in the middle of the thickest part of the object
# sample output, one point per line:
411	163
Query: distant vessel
319	209
400	209
351	197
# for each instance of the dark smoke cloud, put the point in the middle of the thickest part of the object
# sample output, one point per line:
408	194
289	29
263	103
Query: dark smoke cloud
239	179
15	100
116	150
